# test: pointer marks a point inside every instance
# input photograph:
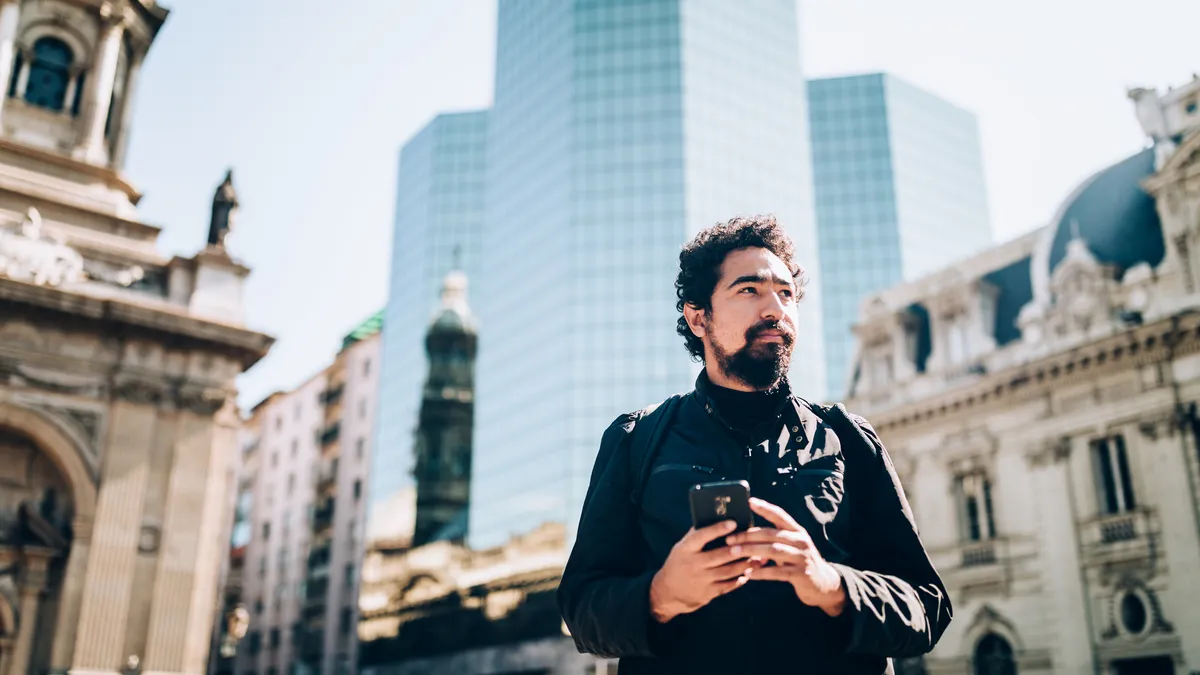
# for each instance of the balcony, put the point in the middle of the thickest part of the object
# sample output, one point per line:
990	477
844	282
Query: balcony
1119	537
323	515
330	434
978	566
332	395
978	554
327	473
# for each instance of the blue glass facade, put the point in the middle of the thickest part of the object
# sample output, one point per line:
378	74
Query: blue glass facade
899	184
439	217
618	129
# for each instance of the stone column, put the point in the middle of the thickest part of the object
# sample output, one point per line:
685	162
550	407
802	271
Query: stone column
185	594
23	76
1164	463
104	610
100	90
1062	586
33	585
10	14
71	597
6	647
121	142
72	88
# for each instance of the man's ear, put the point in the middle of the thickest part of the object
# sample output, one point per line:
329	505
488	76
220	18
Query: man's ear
695	319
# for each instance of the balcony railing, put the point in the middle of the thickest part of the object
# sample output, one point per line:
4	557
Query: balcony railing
332	395
1119	528
323	515
330	434
981	553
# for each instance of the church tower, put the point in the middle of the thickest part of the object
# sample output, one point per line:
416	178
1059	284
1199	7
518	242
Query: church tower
443	447
118	365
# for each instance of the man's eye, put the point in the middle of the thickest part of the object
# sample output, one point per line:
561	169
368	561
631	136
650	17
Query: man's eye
749	289
786	293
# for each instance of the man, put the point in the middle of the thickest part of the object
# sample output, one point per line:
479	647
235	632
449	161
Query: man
834	578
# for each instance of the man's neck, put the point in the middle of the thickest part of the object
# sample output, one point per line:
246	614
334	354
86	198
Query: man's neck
723	379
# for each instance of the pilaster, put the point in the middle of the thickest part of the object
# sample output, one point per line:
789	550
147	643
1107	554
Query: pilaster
1062	584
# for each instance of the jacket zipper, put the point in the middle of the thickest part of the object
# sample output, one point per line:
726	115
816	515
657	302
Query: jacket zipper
683	467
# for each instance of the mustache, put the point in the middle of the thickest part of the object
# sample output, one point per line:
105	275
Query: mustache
788	333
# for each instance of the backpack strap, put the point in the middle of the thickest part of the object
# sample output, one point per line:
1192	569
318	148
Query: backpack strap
848	430
645	439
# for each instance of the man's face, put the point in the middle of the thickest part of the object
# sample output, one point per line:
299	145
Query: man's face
751	330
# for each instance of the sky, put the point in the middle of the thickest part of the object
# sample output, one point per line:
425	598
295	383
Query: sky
309	102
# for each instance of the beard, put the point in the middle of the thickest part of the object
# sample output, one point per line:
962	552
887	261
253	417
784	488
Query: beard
761	365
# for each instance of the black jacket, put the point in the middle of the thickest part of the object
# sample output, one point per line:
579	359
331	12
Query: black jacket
846	496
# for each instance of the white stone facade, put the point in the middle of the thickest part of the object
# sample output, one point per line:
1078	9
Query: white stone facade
1040	403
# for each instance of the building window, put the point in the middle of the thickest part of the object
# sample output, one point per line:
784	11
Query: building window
291	484
254	642
49	74
366	367
973	493
345	620
1114	485
350	575
274	459
274	638
296	413
357	490
362	408
262	567
295	447
266	531
994	656
279	422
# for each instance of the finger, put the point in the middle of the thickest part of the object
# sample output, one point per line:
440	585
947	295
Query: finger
730	570
774	574
696	540
777	551
776	515
723	587
753	535
766	535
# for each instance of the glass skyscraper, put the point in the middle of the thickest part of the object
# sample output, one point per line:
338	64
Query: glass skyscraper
618	129
898	175
439	216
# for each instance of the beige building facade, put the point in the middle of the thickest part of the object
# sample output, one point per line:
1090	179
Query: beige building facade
117	365
1040	403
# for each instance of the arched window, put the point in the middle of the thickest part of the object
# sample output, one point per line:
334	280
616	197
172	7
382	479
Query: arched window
994	656
49	74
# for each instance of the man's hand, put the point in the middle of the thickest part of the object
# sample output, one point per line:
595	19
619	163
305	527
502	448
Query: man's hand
692	577
797	560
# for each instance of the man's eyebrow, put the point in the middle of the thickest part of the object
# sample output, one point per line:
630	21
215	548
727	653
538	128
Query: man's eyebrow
759	278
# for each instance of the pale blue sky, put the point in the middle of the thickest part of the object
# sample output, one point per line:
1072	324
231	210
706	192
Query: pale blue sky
310	100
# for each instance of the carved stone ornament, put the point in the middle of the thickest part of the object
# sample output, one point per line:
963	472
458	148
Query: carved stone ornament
204	402
149	538
31	256
1049	451
136	391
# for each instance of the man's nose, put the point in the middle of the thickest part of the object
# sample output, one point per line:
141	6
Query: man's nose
773	307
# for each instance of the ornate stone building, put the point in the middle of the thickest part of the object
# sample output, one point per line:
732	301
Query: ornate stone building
1040	401
117	365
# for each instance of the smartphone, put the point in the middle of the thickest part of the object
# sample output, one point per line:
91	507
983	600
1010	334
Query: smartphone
724	500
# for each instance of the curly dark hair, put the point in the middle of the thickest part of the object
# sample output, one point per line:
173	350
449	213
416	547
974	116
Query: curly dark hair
700	265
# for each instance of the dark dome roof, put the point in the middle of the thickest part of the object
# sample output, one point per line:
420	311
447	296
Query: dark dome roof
1115	216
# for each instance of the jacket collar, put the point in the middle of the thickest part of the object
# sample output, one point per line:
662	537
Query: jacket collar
704	388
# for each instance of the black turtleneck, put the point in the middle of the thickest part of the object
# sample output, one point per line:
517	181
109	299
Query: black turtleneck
746	410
